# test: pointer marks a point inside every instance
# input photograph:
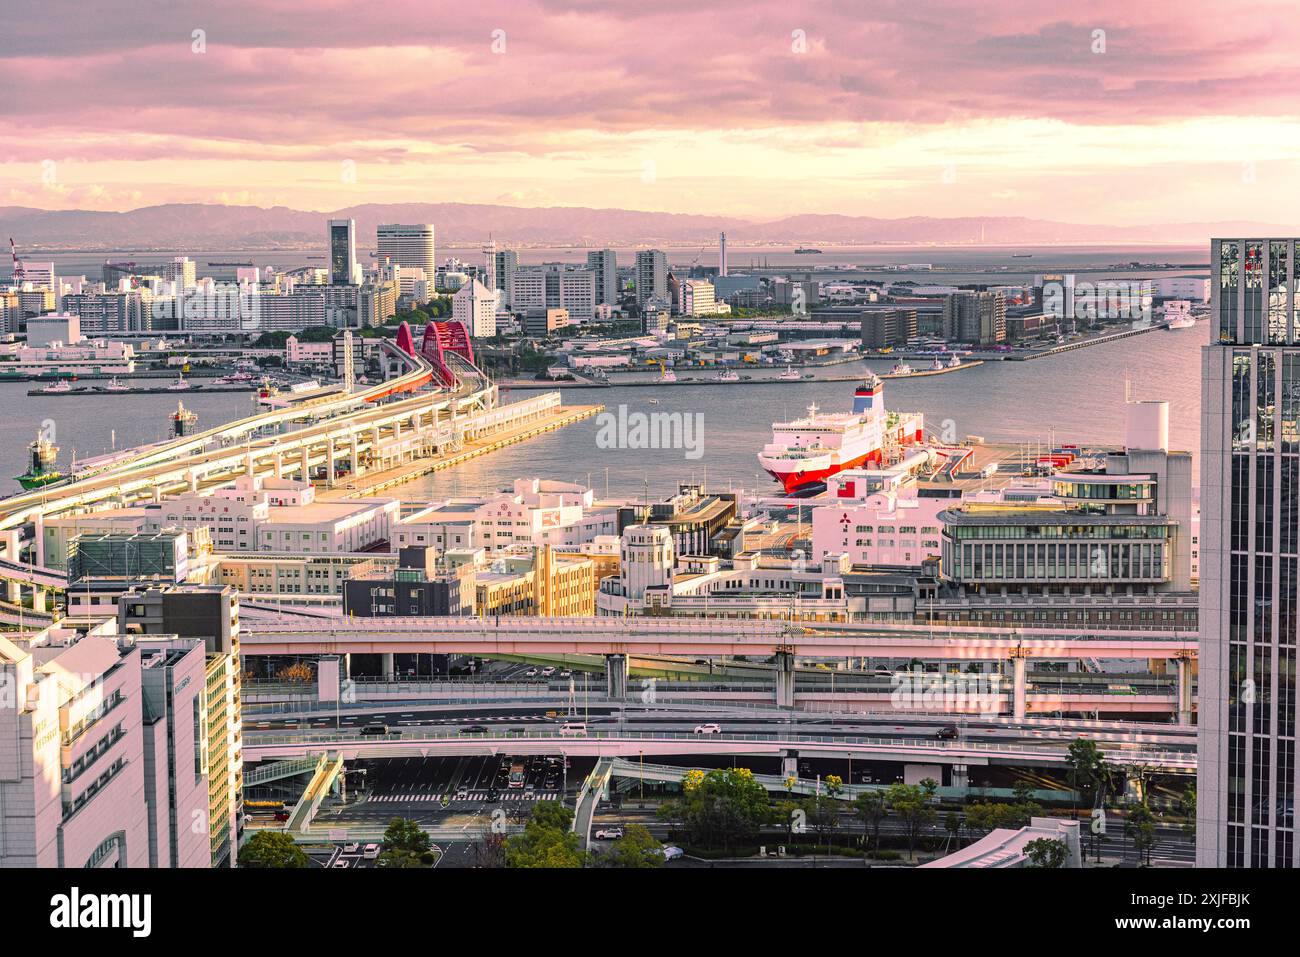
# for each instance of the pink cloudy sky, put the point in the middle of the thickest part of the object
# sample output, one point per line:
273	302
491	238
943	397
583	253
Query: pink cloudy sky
921	107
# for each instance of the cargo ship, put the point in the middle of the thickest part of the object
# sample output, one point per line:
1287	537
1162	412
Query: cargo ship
807	451
41	469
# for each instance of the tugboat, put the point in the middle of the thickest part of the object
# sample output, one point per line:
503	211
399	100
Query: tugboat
58	387
789	375
901	368
41	471
727	375
116	385
179	385
955	361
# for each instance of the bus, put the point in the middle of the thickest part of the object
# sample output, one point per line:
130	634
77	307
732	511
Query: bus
517	773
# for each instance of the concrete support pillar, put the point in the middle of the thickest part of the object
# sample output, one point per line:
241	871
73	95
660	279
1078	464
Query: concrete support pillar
38	539
397	429
193	478
374	446
386	665
356	458
1018	688
616	668
327	678
347	665
1184	690
38	598
13	592
248	464
278	464
790	764
306	463
785	679
960	776
329	462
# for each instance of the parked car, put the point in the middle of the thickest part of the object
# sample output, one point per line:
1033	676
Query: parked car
530	673
351	848
609	833
370	852
947	733
708	729
670	852
548	671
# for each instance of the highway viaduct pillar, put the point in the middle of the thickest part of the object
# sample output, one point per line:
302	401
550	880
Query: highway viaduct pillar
278	465
1184	689
306	463
329	462
13	592
1018	687
960	776
38	598
790	765
616	668
785	679
352	452
386	665
249	468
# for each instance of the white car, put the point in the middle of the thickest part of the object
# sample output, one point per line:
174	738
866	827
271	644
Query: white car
530	673
670	852
547	671
351	848
573	729
708	729
371	852
341	863
609	834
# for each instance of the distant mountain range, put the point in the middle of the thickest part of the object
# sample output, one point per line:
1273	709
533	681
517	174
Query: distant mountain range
183	226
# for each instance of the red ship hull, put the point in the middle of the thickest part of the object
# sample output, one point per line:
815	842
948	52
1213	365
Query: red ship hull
794	481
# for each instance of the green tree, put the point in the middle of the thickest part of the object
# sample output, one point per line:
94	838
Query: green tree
1140	825
272	849
834	785
870	807
636	848
952	824
822	814
547	840
722	808
403	834
911	802
1023	792
1187	808
1046	852
1087	772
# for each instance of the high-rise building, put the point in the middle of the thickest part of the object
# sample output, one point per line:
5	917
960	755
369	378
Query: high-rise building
977	317
209	613
554	288
603	264
343	252
505	263
476	306
411	246
722	254
1250	542
651	275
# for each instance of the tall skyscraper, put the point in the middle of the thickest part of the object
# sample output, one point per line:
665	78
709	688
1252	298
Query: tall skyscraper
722	254
1249	546
342	252
651	275
604	264
411	246
505	262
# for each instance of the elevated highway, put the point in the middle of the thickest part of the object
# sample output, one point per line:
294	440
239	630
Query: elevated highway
424	743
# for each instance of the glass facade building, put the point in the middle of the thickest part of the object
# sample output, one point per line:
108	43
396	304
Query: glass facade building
1250	548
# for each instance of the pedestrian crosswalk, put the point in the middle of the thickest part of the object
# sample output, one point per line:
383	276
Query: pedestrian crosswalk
466	796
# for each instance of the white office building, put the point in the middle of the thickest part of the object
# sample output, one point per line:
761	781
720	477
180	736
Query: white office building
409	246
476	306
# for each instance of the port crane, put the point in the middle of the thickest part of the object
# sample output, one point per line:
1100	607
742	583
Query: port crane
18	265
